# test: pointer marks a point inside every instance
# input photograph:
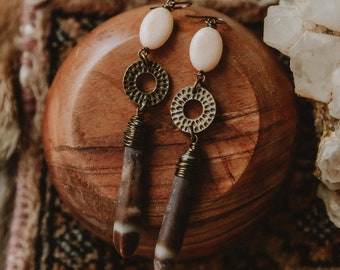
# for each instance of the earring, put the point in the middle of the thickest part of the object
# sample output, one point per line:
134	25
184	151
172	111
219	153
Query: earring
172	230
155	30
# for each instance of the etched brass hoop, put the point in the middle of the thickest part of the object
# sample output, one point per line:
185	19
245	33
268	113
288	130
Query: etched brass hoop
200	123
139	96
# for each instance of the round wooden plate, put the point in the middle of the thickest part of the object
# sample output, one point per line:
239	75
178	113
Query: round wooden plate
247	149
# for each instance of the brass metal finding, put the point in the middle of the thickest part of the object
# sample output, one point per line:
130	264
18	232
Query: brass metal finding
188	164
135	132
196	125
211	21
143	55
193	137
171	4
200	78
139	96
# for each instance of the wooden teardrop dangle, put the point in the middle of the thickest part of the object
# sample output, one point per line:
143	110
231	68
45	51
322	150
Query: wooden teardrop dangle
173	227
155	30
130	201
172	231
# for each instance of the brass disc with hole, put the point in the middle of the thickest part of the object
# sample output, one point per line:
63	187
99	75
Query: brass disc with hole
200	123
139	96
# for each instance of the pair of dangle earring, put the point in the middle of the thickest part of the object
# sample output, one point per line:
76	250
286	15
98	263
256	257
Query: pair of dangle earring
173	227
155	30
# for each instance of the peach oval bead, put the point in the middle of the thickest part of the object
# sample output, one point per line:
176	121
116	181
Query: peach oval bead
156	28
206	49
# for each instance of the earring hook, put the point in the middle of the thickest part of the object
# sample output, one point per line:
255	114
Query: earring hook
211	21
171	4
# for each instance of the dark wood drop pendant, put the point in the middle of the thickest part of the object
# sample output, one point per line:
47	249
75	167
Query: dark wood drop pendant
129	206
173	227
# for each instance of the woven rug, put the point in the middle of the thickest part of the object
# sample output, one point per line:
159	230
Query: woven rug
296	235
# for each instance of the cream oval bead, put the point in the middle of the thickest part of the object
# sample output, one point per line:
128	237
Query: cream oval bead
206	49
156	28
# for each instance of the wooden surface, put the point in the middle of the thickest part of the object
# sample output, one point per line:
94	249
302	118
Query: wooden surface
247	149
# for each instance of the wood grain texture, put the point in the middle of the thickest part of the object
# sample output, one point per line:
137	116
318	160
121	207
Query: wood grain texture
247	149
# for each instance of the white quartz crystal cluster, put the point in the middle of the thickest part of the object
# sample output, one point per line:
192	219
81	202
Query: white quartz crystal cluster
332	202
308	31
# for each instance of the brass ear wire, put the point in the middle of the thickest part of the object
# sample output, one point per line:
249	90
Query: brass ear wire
211	21
177	5
171	5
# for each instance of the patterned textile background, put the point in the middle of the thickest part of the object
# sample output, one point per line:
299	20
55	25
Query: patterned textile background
295	235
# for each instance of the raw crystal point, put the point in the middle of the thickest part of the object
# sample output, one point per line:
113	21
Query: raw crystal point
287	2
328	161
334	105
314	57
325	13
331	200
294	28
283	27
